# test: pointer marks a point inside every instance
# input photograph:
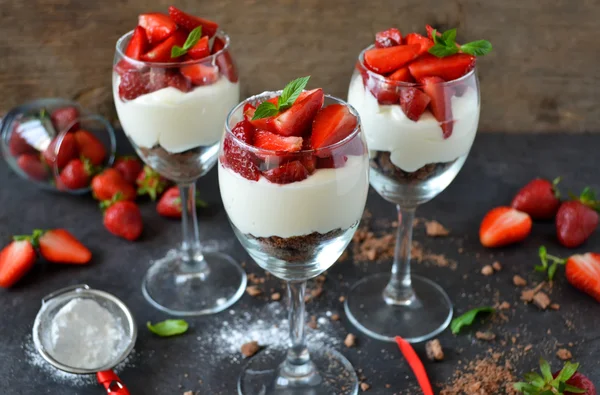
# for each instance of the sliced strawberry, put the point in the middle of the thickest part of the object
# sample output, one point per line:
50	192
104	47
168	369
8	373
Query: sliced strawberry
138	44
236	157
424	42
133	84
274	142
387	60
538	199
331	162
218	44
66	151
388	38
430	29
16	259
401	75
385	93
249	111
200	50
224	60
447	68
287	173
440	103
157	26
297	119
309	161
130	168
162	52
583	272
90	147
413	102
331	125
162	78
65	117
503	226
190	22
200	74
575	223
244	131
17	145
75	175
58	245
262	123
33	167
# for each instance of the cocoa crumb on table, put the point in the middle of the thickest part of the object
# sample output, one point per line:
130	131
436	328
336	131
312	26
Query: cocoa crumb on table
342	299
482	376
364	387
253	290
487	336
541	300
350	340
519	281
435	229
433	349
564	354
497	266
275	296
504	306
312	323
335	317
250	348
555	306
528	347
487	270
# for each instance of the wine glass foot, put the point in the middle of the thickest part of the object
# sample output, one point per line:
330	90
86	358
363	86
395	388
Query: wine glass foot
428	315
172	286
334	375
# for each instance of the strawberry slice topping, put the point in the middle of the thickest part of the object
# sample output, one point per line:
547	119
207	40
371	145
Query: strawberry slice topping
157	26
190	22
238	158
162	52
200	50
424	42
448	68
440	103
503	226
133	84
388	38
413	102
200	74
224	60
274	142
287	173
331	125
138	44
387	60
401	75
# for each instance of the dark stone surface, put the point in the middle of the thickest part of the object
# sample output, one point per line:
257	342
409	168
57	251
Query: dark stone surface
498	166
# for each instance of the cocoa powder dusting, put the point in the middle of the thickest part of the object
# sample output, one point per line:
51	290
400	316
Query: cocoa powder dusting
481	377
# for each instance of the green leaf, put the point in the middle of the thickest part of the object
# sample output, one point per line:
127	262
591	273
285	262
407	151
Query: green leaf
434	37
573	389
177	51
539	268
201	203
467	318
535	379
547	392
291	92
192	39
442	51
552	271
545	369
567	371
477	48
543	253
525	387
449	37
168	327
265	110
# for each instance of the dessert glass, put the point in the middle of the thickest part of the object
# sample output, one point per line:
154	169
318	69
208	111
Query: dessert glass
295	231
410	163
177	133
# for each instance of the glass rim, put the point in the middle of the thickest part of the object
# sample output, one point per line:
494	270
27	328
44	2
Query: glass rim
383	79
120	51
270	94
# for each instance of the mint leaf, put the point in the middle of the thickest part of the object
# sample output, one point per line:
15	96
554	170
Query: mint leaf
449	37
552	271
192	39
442	51
526	388
477	48
467	318
265	110
535	379
545	369
168	327
567	371
291	92
573	389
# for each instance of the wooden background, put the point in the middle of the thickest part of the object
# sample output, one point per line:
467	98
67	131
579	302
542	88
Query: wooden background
543	74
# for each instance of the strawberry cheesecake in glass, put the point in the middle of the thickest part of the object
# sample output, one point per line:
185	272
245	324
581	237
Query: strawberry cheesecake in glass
418	99
174	81
293	174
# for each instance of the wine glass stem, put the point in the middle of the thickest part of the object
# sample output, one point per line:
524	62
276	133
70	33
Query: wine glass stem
399	290
297	361
190	246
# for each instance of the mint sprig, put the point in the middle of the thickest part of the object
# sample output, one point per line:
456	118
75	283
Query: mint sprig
192	39
467	318
168	328
546	258
541	384
289	95
445	45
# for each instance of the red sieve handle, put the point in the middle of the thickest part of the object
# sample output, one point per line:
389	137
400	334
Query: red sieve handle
112	383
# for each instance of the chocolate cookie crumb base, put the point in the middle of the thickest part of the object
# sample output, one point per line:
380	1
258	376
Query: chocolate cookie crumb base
296	248
382	161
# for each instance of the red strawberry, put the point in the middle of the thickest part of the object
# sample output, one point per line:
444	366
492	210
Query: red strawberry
200	50
274	142
249	111
401	75
576	220
424	42
331	162
331	125
76	174
387	60
224	60
130	168
447	68
388	38
138	44
190	22
244	131
151	183
503	226
33	167
287	173
16	259
169	204
384	93
236	157
66	151
200	74
123	219
297	119
65	117
162	78
162	52
413	102
58	245
440	103
90	147
583	272
133	84
580	381
263	123
109	183
176	80
539	198
157	26
17	145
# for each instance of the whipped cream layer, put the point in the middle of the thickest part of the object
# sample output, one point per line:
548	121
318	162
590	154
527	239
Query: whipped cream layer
328	199
176	120
414	144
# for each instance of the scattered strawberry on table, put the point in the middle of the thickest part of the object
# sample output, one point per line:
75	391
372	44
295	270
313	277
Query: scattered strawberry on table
577	219
122	218
170	206
150	183
110	183
130	168
567	381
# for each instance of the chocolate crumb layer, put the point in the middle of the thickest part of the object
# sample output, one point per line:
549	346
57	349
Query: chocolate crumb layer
296	248
382	162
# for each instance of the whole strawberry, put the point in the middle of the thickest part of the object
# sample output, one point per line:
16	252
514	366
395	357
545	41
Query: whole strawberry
151	183
123	218
566	381
169	204
110	182
577	219
539	198
76	174
130	168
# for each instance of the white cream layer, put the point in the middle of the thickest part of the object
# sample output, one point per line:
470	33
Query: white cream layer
415	144
328	199
177	120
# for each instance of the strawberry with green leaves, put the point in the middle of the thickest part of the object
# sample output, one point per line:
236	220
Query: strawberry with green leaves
150	183
130	168
109	183
540	198
577	219
122	218
76	174
170	206
567	381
